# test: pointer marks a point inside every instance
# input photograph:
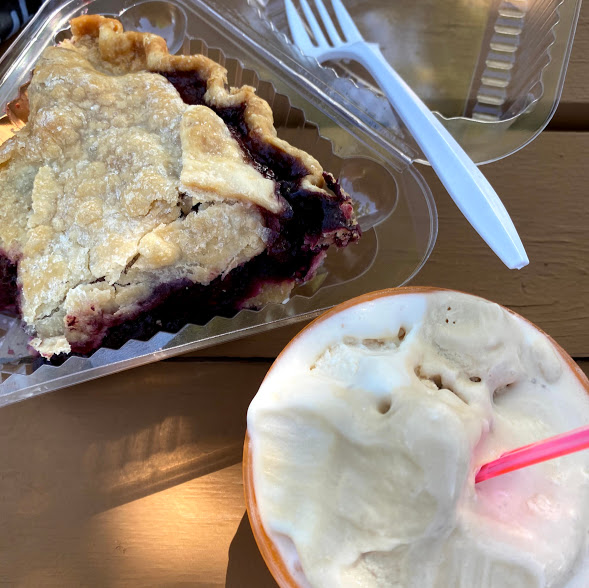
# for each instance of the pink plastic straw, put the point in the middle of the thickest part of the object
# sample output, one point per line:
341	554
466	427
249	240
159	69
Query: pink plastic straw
564	444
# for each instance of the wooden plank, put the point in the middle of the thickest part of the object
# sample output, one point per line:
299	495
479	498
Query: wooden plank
544	189
131	480
572	113
575	94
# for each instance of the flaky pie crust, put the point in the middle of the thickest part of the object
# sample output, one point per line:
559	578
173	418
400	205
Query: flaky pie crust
116	187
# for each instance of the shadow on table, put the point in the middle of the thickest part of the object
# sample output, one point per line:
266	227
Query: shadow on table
246	566
70	455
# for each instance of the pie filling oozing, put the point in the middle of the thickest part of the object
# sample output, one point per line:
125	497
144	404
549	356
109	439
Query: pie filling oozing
143	193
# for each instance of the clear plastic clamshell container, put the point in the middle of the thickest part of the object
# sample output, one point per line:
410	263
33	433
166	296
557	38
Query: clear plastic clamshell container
494	70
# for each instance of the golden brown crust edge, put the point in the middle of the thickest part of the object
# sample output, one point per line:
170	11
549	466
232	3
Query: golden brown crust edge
135	51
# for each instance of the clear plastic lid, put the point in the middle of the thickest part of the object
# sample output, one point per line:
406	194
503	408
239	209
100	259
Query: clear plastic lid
493	70
394	205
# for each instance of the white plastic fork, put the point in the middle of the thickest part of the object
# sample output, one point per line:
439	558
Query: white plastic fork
465	183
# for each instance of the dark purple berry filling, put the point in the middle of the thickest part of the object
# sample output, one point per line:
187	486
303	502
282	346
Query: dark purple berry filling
196	304
8	285
189	85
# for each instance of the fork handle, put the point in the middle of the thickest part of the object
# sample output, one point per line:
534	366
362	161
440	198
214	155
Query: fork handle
468	187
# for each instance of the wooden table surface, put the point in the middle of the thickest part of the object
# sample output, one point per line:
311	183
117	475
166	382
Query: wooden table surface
135	479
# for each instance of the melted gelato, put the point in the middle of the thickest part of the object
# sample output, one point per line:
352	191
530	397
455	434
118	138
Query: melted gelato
367	434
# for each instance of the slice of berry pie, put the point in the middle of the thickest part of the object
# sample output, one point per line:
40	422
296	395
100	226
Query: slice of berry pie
144	193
